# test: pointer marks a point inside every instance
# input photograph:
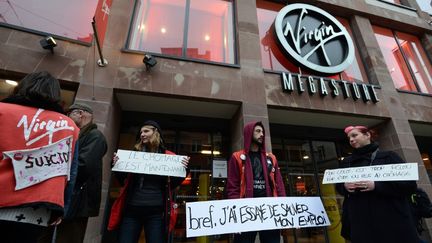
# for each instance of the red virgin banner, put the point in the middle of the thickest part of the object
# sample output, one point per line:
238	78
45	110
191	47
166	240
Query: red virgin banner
101	18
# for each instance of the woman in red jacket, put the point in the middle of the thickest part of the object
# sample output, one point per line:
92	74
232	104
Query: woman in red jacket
145	200
37	140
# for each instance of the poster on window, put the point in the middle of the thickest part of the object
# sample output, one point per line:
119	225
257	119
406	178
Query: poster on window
150	163
252	214
220	169
389	172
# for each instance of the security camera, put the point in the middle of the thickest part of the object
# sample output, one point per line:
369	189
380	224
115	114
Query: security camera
48	43
149	61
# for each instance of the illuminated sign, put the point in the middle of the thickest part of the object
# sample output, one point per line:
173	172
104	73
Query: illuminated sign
314	38
324	87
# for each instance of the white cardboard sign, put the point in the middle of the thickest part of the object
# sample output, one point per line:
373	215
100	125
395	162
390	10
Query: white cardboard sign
389	172
252	214
149	163
33	166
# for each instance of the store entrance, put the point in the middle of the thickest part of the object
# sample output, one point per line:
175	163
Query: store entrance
204	140
303	160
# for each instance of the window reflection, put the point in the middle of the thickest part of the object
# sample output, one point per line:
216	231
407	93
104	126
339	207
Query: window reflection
400	60
184	28
214	39
417	60
425	6
392	1
71	19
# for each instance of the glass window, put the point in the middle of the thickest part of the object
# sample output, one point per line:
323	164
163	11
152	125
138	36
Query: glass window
425	6
184	28
417	60
274	59
403	59
71	19
392	1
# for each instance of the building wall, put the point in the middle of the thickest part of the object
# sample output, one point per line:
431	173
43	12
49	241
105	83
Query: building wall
245	83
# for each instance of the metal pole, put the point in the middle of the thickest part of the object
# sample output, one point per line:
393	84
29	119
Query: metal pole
102	62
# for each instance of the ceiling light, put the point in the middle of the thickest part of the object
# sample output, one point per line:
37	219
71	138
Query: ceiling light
207	37
11	82
306	157
163	30
215	152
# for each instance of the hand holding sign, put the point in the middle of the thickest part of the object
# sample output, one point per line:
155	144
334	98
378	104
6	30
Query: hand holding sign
251	214
150	163
115	159
366	175
185	161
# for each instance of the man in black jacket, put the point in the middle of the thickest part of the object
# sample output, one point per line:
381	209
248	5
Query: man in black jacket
86	196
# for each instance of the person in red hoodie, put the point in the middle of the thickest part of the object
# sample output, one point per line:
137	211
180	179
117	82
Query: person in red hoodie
254	173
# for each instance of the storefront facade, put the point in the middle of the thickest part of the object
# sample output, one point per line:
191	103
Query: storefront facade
221	64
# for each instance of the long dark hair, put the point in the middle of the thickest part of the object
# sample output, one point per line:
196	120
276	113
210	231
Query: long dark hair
39	86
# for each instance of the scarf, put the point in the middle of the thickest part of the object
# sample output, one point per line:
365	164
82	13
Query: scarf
362	156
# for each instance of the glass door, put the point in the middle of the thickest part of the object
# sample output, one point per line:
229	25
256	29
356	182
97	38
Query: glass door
302	163
204	141
200	185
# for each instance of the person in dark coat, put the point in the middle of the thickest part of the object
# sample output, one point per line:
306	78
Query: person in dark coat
86	195
375	211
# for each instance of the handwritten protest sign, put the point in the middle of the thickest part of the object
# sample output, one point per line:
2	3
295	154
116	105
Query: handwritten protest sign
33	166
149	163
390	172
251	214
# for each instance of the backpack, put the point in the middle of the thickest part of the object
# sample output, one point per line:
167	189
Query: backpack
421	207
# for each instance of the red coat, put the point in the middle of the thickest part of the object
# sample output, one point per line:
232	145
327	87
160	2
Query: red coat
25	128
118	206
234	180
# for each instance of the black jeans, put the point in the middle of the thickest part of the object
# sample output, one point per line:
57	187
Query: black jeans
267	236
14	232
69	231
135	218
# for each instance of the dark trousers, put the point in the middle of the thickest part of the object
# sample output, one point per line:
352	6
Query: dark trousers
266	236
135	218
13	232
70	231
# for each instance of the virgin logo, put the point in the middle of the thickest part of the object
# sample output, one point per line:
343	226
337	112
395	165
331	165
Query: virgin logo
314	38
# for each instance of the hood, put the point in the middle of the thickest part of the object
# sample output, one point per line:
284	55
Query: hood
248	134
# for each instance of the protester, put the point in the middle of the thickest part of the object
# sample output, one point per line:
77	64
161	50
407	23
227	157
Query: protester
146	200
254	173
86	197
37	144
375	211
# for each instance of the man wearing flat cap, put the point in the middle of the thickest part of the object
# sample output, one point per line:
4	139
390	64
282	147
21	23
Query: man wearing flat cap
86	196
